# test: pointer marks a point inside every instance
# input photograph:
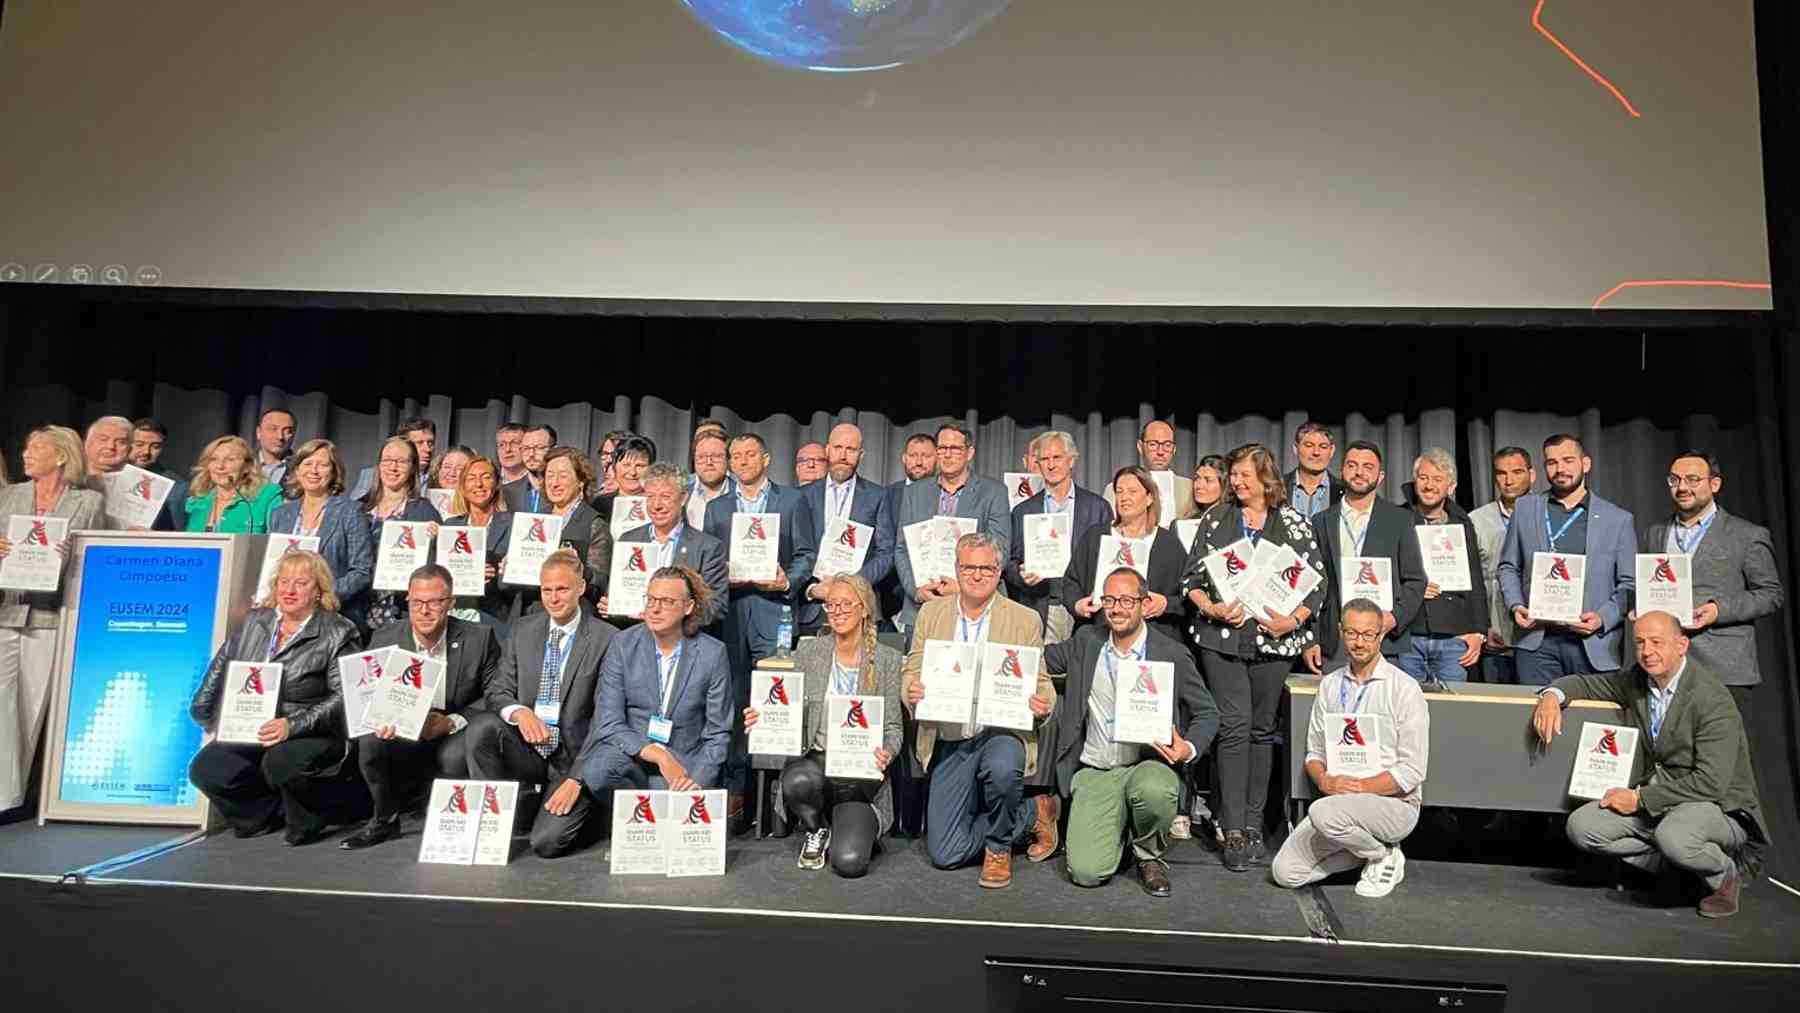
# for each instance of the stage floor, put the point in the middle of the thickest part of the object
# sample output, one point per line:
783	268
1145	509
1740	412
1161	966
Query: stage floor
1441	907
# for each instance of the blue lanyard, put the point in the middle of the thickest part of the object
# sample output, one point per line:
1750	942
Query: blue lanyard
756	506
843	680
1112	666
1358	541
536	497
1565	527
1696	533
1344	695
980	625
1253	534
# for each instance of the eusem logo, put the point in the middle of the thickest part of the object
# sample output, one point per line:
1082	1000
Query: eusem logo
642	813
1559	569
458	803
636	562
37	535
371	670
777	692
253	683
756	530
1123	557
1234	564
405	540
293	546
490	799
1146	682
1609	742
460	546
854	718
536	532
1366	575
637	512
848	538
1024	489
1352	735
414	675
697	810
1665	572
1292	574
1010	664
142	489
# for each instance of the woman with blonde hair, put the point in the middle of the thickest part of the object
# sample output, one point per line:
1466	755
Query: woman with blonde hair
53	487
478	503
841	817
228	492
301	771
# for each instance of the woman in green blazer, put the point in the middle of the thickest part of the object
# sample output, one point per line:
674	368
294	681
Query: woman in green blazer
229	493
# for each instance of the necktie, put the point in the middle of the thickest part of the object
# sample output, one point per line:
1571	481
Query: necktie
548	695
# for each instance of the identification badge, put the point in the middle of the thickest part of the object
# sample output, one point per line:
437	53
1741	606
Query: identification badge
548	713
660	729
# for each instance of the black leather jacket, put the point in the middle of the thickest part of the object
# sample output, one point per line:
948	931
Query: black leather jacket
312	698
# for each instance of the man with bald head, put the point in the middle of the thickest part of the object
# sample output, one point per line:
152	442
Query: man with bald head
1156	452
842	492
1692	796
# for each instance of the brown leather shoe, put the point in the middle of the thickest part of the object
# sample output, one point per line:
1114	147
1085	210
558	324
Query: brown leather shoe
996	869
1046	841
1721	903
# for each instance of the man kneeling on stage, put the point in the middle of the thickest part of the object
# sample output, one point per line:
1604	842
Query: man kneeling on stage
1693	799
1123	791
541	703
663	716
1366	746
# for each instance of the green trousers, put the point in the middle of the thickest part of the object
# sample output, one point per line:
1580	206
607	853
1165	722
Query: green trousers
1109	807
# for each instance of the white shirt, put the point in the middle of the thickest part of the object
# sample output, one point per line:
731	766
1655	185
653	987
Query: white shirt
1662	699
1391	693
697	500
1353	527
839	498
1099	749
973	631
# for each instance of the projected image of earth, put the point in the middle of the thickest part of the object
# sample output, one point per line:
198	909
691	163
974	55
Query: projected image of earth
844	35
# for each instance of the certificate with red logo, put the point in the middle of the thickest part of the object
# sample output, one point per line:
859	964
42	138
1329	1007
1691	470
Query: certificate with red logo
852	736
1119	553
134	497
779	699
843	547
33	564
463	551
640	821
534	538
1021	486
1665	583
279	546
1008	680
1144	702
1556	587
1047	538
252	689
403	696
1602	759
697	834
755	546
1353	745
404	548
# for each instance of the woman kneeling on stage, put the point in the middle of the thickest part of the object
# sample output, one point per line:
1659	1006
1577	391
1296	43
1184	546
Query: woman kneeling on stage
842	816
300	771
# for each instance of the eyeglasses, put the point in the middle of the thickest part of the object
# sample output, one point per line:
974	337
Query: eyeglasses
1159	444
1687	481
657	602
977	569
428	604
952	448
709	458
1129	601
840	607
1359	635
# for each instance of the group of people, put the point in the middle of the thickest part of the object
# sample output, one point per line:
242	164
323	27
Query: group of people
547	686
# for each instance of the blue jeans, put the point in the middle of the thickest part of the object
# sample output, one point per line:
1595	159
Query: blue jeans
977	799
1428	657
1560	654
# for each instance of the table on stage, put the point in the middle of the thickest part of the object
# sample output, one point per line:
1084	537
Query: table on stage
1484	754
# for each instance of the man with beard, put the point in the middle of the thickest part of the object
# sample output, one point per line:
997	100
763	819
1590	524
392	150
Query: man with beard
1447	632
847	495
1363	526
918	461
1513	477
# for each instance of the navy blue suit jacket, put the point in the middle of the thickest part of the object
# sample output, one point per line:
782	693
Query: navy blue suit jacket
699	705
1090	510
762	609
869	504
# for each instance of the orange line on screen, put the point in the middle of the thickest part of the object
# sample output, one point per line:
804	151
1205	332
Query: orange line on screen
1538	23
1678	283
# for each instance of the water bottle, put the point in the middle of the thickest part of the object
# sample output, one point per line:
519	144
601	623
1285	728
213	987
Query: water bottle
784	638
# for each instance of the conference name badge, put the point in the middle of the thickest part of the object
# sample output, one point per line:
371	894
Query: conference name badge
660	730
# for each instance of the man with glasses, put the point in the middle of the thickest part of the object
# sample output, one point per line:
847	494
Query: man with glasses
1734	574
977	805
399	771
674	543
509	441
1311	486
1122	792
1156	452
810	463
958	492
526	494
711	479
1361	820
847	495
918	461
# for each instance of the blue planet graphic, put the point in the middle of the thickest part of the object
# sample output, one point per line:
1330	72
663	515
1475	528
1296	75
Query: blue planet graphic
844	35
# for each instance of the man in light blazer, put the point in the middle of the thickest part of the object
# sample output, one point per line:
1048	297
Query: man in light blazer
1735	579
977	804
1570	519
398	770
958	492
1056	457
662	669
1361	523
753	619
844	493
541	706
677	544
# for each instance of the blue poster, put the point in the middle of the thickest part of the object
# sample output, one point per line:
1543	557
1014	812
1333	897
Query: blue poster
143	639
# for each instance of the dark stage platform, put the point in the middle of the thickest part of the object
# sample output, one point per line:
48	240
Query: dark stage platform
208	924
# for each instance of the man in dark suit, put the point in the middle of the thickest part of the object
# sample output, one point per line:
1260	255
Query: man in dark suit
676	544
663	712
1692	795
918	462
148	438
1056	457
1448	630
754	619
958	492
1122	791
541	706
526	495
395	769
1735	579
1362	524
1311	486
846	494
1570	519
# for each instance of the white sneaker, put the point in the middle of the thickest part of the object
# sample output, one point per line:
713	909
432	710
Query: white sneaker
1381	876
1179	829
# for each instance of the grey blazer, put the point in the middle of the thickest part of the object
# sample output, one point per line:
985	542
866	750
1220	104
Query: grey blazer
1734	567
982	498
813	657
1611	571
521	671
86	511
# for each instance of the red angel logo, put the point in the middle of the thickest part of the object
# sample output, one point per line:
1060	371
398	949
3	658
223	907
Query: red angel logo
490	799
636	562
414	675
37	535
637	511
1234	564
1123	556
461	546
1024	489
1665	572
142	489
777	692
697	810
1609	742
642	813
1352	735
1559	569
458	803
1366	575
1146	682
1010	664
1053	535
1446	542
405	541
854	718
371	670
1292	574
756	530
848	538
292	546
536	532
253	683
